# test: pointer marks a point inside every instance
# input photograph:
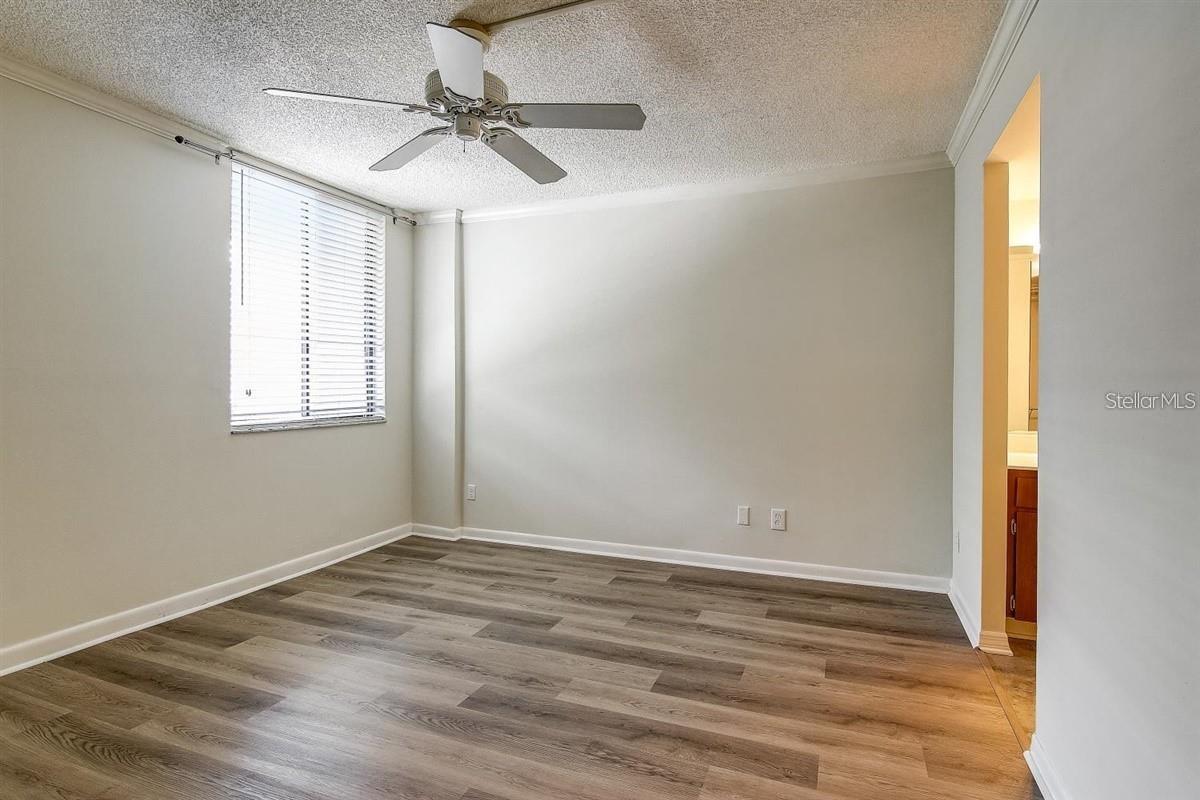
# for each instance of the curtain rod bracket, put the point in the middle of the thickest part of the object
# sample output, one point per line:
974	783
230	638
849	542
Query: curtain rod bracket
216	154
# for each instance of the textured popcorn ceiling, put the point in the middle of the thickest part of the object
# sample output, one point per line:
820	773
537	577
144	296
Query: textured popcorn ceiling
731	88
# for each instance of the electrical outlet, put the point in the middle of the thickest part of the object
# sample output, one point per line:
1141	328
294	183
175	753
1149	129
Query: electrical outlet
779	519
957	543
743	517
470	491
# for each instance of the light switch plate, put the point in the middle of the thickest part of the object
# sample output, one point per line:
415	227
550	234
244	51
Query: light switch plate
779	519
470	491
743	515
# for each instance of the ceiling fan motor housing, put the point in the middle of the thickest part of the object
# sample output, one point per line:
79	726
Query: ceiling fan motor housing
494	90
468	124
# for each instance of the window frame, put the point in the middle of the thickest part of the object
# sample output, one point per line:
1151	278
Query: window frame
374	318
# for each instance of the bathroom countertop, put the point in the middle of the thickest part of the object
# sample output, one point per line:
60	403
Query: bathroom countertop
1022	460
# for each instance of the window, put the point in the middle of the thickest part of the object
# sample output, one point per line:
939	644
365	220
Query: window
306	298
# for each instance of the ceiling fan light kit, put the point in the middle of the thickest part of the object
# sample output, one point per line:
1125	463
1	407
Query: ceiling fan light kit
472	105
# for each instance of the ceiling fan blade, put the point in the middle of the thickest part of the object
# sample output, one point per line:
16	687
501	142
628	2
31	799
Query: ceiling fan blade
598	116
337	98
524	156
410	149
459	59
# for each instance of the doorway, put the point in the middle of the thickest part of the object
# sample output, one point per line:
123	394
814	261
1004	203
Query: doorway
1011	284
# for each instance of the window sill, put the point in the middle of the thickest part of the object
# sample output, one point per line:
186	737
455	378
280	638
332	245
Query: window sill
334	422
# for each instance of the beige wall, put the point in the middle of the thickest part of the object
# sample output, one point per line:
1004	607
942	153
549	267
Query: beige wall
120	483
1117	521
1019	342
994	510
634	374
1024	222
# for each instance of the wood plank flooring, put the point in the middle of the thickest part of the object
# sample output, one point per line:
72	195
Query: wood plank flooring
1014	680
434	670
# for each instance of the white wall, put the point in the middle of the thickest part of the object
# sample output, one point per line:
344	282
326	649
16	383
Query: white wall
120	483
1119	506
634	374
437	375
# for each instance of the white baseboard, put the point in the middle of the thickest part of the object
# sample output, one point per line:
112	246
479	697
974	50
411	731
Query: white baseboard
60	643
436	531
764	566
970	625
994	642
1045	776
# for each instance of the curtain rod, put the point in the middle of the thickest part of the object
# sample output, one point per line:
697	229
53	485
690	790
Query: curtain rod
64	89
257	164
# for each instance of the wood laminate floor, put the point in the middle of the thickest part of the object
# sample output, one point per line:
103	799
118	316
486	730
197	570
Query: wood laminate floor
1014	679
434	670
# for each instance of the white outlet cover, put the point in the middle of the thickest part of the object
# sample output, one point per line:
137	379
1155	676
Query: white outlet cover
470	491
779	519
743	515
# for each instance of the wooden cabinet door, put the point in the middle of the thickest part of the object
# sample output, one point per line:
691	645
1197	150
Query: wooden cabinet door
1022	544
1025	566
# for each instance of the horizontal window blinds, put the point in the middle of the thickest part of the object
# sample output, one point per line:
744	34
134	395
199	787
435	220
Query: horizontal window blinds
307	311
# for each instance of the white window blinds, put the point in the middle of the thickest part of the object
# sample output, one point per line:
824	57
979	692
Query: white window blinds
307	321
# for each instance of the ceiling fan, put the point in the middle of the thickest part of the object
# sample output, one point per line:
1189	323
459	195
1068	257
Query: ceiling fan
473	104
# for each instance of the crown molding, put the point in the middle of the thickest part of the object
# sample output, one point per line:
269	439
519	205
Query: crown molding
667	194
435	217
86	97
1008	33
93	100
